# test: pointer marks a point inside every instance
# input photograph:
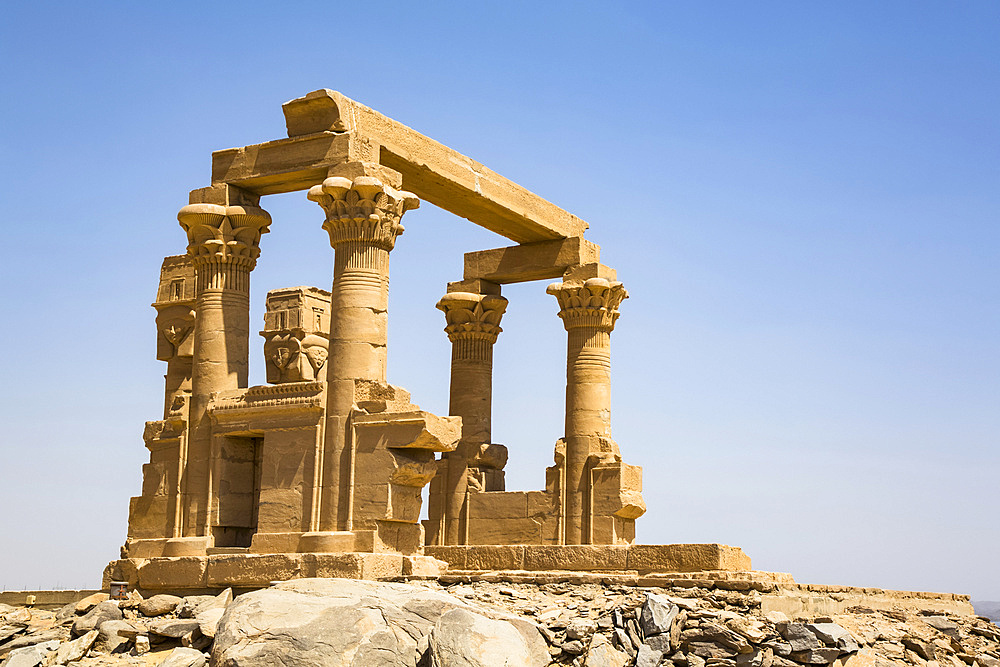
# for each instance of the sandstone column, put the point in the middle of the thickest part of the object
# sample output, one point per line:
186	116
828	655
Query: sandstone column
589	309
223	242
473	323
362	219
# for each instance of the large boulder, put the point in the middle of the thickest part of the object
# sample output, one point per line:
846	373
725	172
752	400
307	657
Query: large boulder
462	638
339	622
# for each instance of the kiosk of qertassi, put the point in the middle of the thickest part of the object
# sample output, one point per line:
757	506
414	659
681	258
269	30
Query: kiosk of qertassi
320	472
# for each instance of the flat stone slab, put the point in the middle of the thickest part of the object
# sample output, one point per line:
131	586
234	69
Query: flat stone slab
641	558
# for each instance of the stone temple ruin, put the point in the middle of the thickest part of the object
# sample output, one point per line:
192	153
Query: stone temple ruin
320	472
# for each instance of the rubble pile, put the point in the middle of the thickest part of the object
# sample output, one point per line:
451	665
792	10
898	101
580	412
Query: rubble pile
480	623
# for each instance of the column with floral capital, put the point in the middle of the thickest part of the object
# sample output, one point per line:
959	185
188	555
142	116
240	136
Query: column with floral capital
589	310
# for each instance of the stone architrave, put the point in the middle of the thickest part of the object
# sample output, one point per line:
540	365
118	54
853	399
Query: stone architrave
473	324
589	310
362	220
223	243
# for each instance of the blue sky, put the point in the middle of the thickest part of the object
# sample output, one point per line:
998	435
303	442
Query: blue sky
802	199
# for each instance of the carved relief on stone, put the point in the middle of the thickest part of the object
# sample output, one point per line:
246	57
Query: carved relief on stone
296	330
174	324
224	234
294	357
592	303
472	316
364	209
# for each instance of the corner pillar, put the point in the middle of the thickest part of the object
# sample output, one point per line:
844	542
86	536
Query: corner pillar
223	244
588	308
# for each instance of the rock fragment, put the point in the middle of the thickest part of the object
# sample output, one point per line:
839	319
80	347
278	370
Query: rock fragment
103	611
158	605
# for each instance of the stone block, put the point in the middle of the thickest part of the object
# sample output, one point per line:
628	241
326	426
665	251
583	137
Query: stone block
586	271
284	165
686	558
173	573
497	505
476	286
504	530
150	548
328	542
252	569
493	557
423	566
575	557
542	503
319	111
410	430
612	530
398	537
275	543
125	569
529	261
455	556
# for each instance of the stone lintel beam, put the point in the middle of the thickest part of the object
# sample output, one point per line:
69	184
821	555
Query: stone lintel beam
326	128
414	430
530	261
287	165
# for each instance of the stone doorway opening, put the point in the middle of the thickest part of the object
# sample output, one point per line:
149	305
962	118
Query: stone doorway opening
239	474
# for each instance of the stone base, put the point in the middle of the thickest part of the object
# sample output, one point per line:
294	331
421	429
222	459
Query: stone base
247	570
638	558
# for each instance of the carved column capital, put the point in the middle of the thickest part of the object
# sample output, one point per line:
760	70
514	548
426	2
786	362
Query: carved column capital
472	316
224	234
365	210
591	304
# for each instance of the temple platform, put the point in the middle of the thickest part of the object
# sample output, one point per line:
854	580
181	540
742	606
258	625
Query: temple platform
254	570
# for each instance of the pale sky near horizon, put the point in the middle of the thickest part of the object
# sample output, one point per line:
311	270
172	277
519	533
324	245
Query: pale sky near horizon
801	198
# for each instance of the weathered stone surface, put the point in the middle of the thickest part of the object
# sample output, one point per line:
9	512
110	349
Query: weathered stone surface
833	635
710	649
8	631
922	648
658	613
647	657
816	656
158	605
31	656
76	649
19	616
184	657
799	637
208	620
33	638
103	611
89	602
603	654
942	624
461	637
190	605
333	622
174	628
113	634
